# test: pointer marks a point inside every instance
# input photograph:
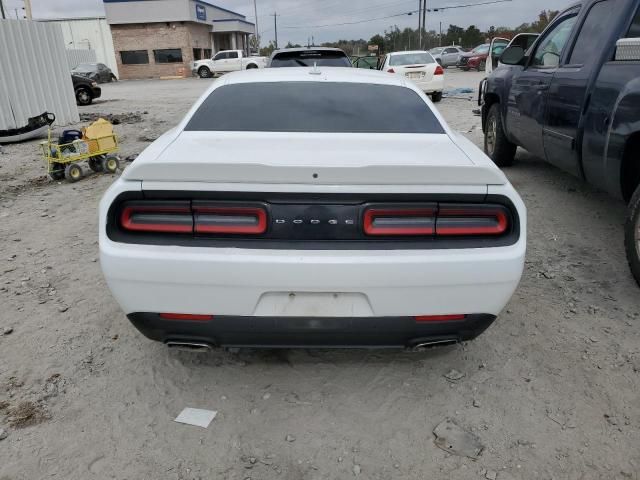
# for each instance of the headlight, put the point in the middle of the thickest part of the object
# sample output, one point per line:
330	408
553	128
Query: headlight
94	84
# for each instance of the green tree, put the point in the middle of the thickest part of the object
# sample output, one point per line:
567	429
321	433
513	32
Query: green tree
472	36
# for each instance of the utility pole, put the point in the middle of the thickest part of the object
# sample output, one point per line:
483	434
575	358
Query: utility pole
313	41
440	34
424	17
27	9
275	26
255	11
420	24
2	9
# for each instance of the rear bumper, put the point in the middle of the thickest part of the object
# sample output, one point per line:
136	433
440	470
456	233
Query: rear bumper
318	332
436	84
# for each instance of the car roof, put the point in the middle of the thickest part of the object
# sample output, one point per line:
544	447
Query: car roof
307	49
311	74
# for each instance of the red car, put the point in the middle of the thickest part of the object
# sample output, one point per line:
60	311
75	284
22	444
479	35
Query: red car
477	58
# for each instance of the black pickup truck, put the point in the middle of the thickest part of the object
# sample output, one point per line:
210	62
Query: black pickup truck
573	99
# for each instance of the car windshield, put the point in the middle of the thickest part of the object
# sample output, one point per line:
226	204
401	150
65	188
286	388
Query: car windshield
307	58
481	49
420	58
310	106
85	67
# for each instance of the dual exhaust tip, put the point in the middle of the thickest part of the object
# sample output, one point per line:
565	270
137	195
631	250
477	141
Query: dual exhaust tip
201	347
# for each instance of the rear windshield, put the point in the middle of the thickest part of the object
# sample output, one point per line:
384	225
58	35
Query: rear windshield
314	107
307	58
411	59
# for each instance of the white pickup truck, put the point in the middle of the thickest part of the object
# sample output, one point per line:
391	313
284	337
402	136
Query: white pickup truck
226	61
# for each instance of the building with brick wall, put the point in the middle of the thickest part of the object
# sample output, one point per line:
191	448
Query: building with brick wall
161	38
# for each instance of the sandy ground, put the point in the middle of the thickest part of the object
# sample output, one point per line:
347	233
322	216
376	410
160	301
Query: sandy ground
551	389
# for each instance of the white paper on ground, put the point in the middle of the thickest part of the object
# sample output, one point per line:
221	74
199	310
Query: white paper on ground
196	416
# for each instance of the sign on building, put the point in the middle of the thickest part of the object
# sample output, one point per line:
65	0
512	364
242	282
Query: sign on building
201	13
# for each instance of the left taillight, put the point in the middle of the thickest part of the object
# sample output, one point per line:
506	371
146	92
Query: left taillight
439	70
157	216
194	217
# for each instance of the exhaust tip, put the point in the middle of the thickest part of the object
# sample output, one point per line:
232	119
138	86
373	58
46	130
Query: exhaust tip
186	346
420	345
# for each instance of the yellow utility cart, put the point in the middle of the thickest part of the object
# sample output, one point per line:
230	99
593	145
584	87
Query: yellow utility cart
96	144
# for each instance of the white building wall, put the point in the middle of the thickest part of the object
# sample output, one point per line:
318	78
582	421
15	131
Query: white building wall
34	77
93	34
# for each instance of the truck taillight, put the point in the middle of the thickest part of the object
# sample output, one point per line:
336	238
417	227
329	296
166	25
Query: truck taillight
441	220
157	216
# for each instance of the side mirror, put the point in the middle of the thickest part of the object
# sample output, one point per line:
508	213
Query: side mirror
513	55
628	49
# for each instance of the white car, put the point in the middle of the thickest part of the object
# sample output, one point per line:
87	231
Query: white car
226	61
312	207
418	66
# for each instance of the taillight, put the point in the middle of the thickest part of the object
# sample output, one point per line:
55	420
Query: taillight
400	221
217	218
471	220
440	220
193	217
157	216
391	70
439	70
439	318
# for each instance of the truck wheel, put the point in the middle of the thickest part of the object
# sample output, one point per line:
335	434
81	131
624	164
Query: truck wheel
95	163
252	65
204	72
57	171
496	144
110	164
632	235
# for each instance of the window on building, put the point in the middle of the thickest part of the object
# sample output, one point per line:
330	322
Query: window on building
197	54
600	19
168	55
134	57
207	53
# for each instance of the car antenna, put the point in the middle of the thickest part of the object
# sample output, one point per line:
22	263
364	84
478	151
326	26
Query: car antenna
314	70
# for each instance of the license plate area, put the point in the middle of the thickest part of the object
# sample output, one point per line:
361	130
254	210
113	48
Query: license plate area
313	304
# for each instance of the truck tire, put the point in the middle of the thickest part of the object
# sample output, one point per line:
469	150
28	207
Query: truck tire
496	144
204	72
252	65
632	235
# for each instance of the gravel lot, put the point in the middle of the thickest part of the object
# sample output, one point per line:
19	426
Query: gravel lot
551	389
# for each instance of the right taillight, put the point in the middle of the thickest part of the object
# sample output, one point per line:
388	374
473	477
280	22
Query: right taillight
439	70
440	220
469	220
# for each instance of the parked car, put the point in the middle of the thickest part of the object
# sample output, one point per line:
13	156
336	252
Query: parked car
86	90
447	56
419	67
226	61
573	99
308	57
341	212
477	58
97	72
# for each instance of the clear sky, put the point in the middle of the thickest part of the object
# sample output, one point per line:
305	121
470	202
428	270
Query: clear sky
309	16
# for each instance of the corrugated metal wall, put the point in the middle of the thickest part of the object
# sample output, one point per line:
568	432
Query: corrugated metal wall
34	76
91	34
76	57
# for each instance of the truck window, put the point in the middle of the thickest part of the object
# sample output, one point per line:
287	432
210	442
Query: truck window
600	20
221	56
549	51
634	31
232	55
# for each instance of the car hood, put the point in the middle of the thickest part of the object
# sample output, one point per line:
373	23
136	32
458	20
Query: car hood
319	159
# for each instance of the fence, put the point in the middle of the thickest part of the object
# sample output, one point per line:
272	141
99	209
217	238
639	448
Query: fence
78	56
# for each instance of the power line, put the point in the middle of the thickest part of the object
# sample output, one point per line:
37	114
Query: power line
394	16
